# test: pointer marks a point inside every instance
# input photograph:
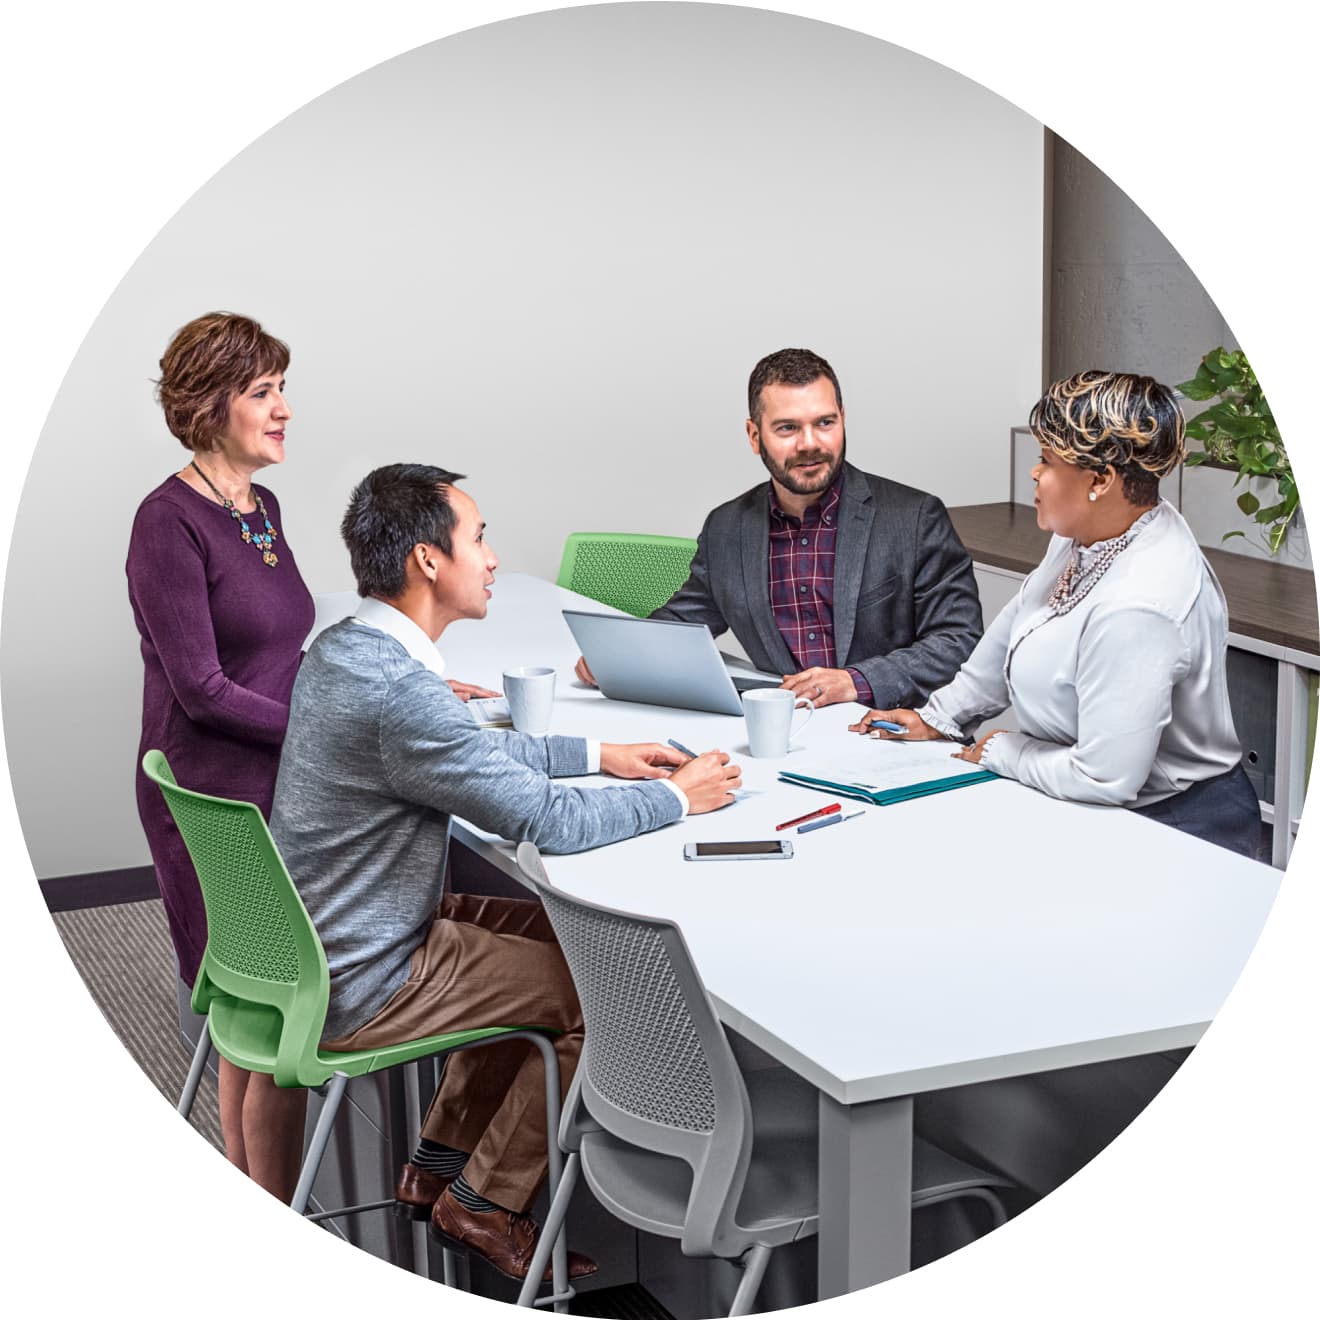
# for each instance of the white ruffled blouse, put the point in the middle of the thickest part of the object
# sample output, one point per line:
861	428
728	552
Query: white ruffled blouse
1123	700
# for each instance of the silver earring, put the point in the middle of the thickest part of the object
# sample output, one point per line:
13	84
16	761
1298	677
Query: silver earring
1090	495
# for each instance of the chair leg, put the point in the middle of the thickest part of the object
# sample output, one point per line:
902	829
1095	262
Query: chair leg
550	1231
404	1085
560	1291
455	1264
320	1139
753	1264
998	1215
201	1055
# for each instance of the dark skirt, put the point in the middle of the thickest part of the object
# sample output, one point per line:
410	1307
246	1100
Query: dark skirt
1222	810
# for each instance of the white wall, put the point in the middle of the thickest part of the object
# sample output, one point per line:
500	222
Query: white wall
545	253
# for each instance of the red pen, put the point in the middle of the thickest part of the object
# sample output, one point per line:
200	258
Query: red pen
811	815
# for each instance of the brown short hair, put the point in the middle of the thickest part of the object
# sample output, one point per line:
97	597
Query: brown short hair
788	366
207	362
1103	419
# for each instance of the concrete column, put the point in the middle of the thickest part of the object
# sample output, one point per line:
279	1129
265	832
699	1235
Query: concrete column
1121	298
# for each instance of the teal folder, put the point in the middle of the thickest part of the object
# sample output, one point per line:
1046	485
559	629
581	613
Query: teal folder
885	797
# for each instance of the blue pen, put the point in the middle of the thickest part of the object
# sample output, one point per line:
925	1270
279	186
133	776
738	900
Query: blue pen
829	820
679	746
887	725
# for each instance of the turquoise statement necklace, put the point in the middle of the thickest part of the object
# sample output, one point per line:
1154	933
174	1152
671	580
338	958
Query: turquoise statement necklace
262	540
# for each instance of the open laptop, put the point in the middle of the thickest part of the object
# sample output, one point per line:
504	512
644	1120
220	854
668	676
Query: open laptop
660	662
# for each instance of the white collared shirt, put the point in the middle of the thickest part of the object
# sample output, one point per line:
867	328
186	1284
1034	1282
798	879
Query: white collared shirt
393	622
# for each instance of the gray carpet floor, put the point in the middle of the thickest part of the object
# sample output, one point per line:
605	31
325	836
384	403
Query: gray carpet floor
123	954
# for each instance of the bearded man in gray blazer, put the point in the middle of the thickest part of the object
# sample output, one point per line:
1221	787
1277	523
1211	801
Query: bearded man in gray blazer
853	587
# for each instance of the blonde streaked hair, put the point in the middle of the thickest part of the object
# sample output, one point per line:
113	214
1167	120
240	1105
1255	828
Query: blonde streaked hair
1103	419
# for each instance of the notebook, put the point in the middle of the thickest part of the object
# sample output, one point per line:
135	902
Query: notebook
883	773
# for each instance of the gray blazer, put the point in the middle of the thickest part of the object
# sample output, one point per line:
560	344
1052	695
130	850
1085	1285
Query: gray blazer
906	610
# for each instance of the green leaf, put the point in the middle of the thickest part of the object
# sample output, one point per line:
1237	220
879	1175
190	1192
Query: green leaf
1239	430
1277	536
1204	378
1247	460
1269	514
1195	458
1240	426
1201	387
1228	536
1248	503
1223	417
1227	377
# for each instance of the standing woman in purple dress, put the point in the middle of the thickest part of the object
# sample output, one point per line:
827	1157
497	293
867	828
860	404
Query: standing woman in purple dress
223	613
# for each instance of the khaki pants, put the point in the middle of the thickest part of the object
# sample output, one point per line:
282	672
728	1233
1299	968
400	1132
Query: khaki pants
487	962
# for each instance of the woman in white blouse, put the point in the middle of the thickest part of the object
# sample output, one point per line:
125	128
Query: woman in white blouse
1113	652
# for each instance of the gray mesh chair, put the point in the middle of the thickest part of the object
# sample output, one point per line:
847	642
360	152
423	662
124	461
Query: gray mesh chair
670	1135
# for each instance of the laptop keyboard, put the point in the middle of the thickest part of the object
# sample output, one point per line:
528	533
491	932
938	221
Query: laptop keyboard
743	683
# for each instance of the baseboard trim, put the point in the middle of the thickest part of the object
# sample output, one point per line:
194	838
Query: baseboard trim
67	893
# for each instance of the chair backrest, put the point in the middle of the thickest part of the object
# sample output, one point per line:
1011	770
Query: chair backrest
657	1070
630	571
263	956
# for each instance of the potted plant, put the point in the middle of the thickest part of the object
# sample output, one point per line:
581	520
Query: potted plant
1240	433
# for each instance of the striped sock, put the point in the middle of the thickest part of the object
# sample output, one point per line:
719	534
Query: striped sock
463	1193
439	1159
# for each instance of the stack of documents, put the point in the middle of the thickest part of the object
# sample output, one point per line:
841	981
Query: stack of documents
884	773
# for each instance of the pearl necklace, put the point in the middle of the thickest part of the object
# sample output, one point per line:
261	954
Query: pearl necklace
263	541
1075	583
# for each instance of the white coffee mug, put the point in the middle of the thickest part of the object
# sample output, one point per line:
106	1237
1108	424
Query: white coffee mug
530	691
769	713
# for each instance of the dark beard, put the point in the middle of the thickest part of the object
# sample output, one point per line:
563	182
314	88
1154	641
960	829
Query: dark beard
801	485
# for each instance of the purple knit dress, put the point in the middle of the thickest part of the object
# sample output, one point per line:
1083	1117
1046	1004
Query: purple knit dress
221	640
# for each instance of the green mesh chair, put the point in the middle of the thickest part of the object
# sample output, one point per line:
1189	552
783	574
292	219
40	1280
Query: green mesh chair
629	571
264	986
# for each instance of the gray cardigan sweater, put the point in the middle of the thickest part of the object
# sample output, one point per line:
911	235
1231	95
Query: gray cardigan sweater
379	754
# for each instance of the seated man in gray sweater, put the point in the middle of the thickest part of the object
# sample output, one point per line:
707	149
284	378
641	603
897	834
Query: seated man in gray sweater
380	753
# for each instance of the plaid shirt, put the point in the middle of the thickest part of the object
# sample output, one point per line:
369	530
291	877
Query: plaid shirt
802	583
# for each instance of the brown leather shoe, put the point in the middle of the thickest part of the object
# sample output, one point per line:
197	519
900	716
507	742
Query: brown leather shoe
417	1190
502	1238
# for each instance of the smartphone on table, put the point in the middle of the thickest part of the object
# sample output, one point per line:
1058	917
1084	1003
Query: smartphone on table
746	850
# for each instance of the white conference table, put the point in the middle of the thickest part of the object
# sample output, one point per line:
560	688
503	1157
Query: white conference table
984	933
